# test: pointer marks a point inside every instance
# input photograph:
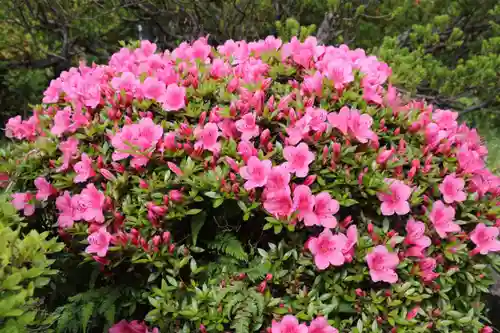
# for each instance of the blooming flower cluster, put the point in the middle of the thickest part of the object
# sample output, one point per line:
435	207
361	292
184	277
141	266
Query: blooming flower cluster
310	139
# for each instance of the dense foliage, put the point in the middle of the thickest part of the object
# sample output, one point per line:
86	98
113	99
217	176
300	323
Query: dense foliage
269	184
24	269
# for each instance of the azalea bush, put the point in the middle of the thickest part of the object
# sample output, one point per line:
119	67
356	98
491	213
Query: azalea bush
256	187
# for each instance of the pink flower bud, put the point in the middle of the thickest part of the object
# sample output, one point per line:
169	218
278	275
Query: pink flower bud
309	180
233	164
176	195
107	174
486	329
265	136
156	240
384	156
118	167
269	276
175	169
166	237
412	313
336	150
143	184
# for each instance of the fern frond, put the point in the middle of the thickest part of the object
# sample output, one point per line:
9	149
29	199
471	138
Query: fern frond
87	311
228	244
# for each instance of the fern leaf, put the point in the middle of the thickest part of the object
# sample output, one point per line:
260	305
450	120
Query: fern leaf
227	243
241	322
86	314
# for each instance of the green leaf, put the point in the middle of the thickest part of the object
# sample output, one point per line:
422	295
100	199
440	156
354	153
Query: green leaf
87	311
193	211
197	223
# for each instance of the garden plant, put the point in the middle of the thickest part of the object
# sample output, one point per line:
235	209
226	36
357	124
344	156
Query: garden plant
263	186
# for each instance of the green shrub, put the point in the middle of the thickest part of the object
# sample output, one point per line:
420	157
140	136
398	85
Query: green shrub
24	269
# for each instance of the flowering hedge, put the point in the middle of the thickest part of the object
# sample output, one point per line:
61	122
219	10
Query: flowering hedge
262	185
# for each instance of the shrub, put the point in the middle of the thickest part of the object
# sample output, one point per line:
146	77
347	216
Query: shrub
261	186
24	268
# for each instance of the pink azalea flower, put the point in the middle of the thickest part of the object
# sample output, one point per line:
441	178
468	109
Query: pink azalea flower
62	122
350	121
382	264
303	201
99	242
317	118
174	97
452	189
352	239
246	150
340	72
83	169
207	137
278	179
140	138
485	238
320	325
324	209
152	88
255	172
247	126
442	217
279	203
360	126
21	201
298	159
469	160
298	131
396	201
63	204
45	189
69	148
427	267
327	249
88	205
416	234
340	120
313	84
289	324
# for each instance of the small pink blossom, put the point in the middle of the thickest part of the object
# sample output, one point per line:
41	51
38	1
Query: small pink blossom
442	217
485	238
278	179
327	249
289	324
416	234
174	97
207	137
62	122
303	201
99	242
63	204
83	169
396	201
452	189
88	205
45	189
340	72
255	172
320	325
175	169
69	148
352	239
324	209
279	203
427	267
360	126
247	126
21	201
246	150
298	159
317	118
152	88
350	121
382	264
